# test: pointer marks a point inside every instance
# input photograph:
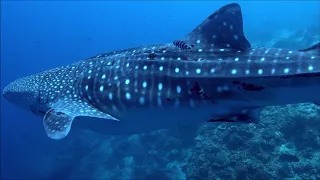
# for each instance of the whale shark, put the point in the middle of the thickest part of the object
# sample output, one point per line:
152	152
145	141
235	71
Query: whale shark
212	75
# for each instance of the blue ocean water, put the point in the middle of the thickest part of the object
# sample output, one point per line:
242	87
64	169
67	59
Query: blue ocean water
37	36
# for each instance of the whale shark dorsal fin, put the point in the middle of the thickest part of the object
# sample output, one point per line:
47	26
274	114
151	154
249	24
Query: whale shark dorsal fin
58	120
222	29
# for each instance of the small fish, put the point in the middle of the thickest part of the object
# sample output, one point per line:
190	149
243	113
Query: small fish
182	45
154	87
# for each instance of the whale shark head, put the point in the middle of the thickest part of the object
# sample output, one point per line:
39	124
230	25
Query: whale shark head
24	92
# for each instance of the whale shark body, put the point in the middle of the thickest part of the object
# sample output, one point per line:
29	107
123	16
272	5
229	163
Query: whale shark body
212	75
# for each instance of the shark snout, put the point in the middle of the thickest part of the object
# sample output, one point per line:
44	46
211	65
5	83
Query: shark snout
6	92
22	92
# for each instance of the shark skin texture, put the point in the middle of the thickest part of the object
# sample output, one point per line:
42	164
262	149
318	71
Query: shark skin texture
212	75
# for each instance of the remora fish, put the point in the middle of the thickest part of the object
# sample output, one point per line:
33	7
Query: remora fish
213	75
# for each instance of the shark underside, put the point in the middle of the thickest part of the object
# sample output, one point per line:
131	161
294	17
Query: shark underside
212	75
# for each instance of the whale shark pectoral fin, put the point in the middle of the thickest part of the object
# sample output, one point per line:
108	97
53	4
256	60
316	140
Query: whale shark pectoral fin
222	29
57	121
246	116
57	124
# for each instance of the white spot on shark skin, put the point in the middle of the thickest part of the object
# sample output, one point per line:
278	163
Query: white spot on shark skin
310	68
236	59
273	71
231	27
198	41
162	58
161	68
177	103
127	81
144	84
233	71
103	76
198	71
128	96
145	67
116	78
176	70
260	71
192	103
312	57
212	70
298	70
87	87
114	108
235	37
225	88
221	50
141	100
136	67
247	72
219	89
200	50
127	65
290	52
179	89
266	52
159	101
178	58
101	88
110	96
286	70
287	58
160	86
262	59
